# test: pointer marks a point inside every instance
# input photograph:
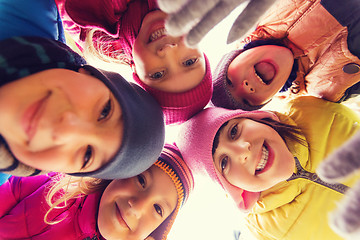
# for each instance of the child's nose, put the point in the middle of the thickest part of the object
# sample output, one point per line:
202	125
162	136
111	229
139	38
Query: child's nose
243	151
162	50
138	206
71	126
247	87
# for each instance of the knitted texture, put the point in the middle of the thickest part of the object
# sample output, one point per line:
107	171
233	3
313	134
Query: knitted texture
195	18
144	130
339	165
36	54
222	97
195	143
172	163
179	107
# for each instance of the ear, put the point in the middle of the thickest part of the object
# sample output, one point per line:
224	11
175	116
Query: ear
84	71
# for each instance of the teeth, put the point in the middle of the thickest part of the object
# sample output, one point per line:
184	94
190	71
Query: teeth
157	34
264	158
260	79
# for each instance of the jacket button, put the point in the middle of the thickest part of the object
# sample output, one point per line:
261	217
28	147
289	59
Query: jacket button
351	68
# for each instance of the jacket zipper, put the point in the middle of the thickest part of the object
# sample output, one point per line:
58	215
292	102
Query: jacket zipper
302	173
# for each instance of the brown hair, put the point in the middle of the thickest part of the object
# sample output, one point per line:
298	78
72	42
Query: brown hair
286	131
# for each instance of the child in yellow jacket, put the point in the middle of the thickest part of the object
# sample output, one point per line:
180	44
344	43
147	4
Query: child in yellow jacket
266	161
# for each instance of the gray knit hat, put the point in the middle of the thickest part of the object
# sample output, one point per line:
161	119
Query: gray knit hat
144	128
221	96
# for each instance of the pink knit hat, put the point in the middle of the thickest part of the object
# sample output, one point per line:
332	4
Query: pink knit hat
195	143
179	107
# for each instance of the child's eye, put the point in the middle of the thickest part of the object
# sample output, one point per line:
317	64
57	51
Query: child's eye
223	163
190	62
87	156
141	180
158	210
105	112
157	75
233	131
229	82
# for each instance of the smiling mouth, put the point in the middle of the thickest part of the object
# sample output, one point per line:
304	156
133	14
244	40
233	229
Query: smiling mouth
157	34
264	159
32	116
265	72
120	218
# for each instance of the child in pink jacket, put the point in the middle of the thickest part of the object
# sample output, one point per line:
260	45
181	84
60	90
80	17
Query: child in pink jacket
140	207
133	32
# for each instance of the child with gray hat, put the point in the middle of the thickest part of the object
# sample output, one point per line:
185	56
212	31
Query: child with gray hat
60	114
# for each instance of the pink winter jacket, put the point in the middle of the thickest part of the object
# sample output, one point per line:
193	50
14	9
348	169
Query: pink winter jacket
120	19
23	207
318	41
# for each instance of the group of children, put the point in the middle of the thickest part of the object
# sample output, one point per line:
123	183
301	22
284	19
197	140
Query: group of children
97	141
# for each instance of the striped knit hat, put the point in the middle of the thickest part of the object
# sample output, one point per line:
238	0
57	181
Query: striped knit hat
195	142
179	107
172	163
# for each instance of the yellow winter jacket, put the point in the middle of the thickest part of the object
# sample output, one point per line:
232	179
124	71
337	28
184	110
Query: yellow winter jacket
299	208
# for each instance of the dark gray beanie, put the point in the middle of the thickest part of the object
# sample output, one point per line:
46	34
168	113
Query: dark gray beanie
221	96
144	128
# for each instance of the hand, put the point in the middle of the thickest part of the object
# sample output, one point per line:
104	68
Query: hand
197	17
342	163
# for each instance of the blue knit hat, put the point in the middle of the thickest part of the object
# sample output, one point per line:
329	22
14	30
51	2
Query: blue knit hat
144	128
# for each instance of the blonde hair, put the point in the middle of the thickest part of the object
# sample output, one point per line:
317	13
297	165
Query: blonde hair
65	187
98	46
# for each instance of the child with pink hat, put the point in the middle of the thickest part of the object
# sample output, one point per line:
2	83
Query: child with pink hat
133	33
266	162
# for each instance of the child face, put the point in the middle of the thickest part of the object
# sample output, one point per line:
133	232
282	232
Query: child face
164	62
61	120
257	74
252	155
132	208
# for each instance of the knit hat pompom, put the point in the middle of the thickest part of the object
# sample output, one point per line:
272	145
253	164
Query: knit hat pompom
195	141
172	163
179	107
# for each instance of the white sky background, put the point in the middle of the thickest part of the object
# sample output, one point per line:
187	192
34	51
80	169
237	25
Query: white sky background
208	214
